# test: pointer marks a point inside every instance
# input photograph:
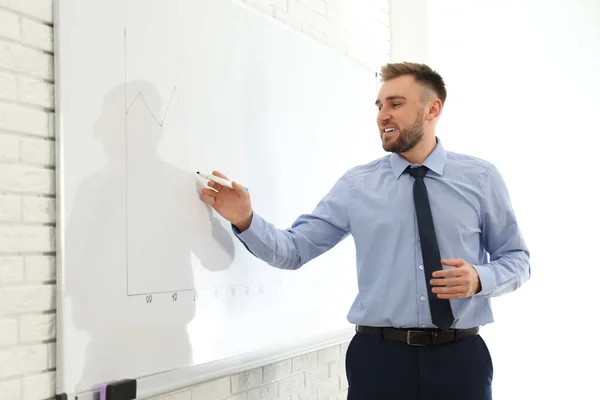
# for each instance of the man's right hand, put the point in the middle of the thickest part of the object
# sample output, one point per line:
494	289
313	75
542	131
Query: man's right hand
232	204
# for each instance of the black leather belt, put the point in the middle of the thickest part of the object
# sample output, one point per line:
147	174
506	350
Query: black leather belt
418	337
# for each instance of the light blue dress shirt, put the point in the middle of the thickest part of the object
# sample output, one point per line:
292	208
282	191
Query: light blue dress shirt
473	218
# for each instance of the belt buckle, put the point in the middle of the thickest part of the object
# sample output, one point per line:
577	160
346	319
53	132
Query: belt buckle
408	338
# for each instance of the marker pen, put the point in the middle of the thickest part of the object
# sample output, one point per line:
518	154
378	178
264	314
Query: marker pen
219	180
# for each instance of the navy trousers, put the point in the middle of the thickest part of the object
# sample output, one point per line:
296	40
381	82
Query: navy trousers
390	370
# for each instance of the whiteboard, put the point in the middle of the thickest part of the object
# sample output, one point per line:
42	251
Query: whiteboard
151	281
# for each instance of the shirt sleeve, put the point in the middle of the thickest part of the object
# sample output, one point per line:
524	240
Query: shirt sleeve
309	236
508	267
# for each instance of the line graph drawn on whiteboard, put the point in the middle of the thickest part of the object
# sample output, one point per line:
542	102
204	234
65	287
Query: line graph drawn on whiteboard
175	243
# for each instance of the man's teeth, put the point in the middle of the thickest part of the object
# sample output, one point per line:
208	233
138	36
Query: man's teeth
386	130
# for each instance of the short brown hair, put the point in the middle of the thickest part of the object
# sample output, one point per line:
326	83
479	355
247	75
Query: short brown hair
422	73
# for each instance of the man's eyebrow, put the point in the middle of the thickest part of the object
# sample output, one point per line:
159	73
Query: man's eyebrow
377	102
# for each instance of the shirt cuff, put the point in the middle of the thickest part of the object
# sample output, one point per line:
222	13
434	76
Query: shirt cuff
252	238
487	279
251	229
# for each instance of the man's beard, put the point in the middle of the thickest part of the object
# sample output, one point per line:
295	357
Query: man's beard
407	138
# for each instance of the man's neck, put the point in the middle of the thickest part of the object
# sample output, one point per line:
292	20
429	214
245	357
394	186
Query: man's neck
421	151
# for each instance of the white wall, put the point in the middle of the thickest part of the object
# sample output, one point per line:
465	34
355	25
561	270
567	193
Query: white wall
26	201
358	28
408	31
523	86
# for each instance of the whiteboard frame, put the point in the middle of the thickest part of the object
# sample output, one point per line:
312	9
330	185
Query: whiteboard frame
58	184
187	377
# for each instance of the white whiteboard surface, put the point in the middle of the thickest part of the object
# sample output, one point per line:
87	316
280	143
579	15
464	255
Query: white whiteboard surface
150	279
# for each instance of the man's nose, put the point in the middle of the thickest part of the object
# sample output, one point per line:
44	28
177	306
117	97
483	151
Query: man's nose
383	117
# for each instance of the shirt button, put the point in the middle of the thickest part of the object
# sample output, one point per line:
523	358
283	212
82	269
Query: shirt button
422	298
421	267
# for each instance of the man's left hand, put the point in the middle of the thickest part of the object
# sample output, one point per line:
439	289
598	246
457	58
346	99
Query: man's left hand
458	282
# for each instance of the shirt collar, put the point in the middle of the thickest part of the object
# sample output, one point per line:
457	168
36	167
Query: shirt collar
435	161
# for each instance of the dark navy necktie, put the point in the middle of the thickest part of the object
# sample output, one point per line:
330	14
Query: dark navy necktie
441	313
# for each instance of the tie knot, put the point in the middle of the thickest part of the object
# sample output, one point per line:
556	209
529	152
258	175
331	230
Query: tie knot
417	172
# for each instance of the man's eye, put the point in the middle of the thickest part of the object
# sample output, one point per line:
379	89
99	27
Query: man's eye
396	104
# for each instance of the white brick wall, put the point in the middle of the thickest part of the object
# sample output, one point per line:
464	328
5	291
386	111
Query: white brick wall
314	376
356	28
359	29
27	205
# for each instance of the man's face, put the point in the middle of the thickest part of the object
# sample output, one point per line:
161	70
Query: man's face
400	118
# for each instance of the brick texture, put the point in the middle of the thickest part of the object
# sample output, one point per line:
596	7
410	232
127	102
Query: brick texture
27	203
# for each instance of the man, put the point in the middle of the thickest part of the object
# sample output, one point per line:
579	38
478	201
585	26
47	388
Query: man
423	221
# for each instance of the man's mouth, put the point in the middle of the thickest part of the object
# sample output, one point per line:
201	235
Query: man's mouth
387	132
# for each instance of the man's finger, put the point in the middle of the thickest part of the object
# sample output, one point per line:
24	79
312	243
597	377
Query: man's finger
210	192
219	174
448	272
447	296
446	282
217	186
453	262
449	289
209	196
208	199
240	190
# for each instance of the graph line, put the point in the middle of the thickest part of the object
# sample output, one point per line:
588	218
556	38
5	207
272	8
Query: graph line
140	96
126	172
160	122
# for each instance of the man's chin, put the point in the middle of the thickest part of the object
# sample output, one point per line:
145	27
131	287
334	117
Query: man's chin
389	145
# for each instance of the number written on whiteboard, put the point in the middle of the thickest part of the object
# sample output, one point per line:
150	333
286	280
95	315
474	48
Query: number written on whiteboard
149	299
174	297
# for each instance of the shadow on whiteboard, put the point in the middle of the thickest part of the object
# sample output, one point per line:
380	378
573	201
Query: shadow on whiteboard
137	228
168	227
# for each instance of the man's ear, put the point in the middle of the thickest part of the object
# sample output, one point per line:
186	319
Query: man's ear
434	109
